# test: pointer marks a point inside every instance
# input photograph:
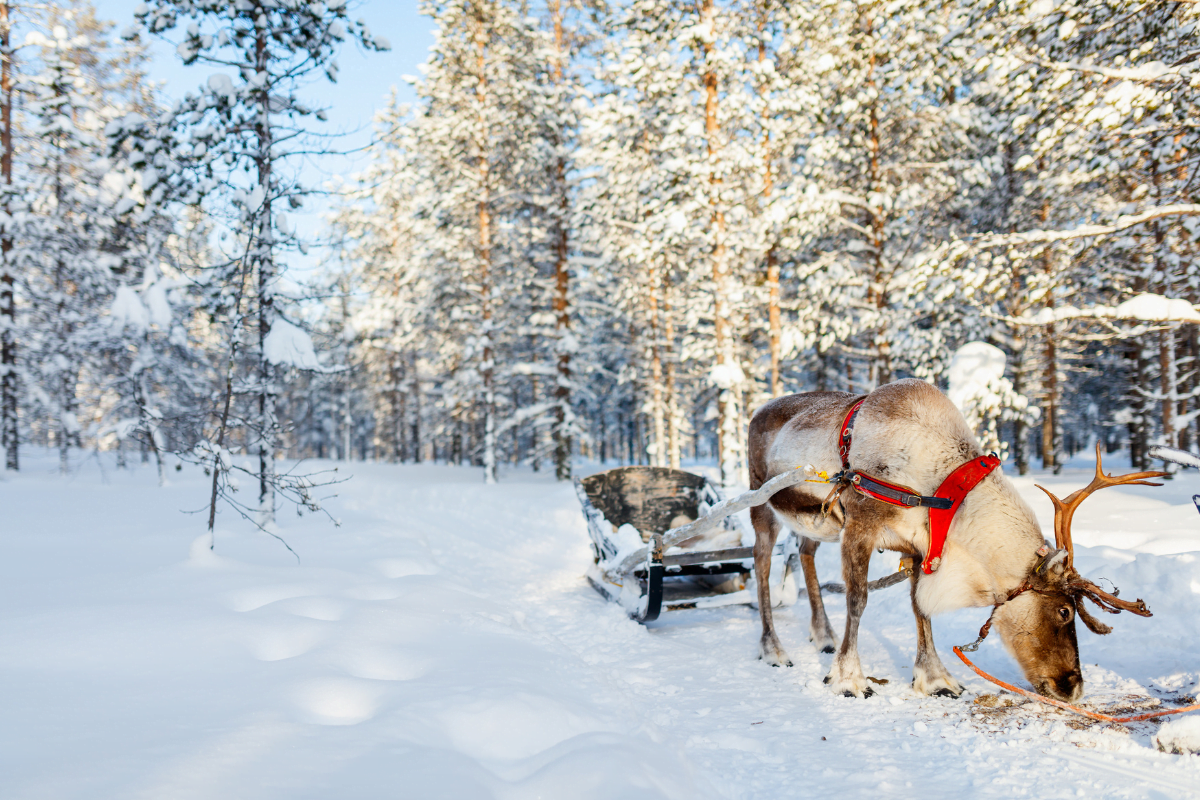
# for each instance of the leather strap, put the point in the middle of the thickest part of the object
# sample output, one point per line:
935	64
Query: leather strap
847	433
893	493
955	488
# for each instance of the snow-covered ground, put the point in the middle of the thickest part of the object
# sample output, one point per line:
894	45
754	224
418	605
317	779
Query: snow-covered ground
443	643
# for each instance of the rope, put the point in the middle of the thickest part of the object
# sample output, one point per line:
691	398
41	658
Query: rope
882	583
1067	706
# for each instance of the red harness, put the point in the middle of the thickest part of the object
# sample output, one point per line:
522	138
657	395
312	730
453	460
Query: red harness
942	505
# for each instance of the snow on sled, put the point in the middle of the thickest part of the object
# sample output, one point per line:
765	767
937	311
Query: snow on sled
1181	457
665	539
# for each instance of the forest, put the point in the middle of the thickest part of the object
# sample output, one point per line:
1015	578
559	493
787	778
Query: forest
605	231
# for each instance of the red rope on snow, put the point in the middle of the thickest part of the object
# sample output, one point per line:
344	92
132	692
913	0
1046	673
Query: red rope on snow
1068	706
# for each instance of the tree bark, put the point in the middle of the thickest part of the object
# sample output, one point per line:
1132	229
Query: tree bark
484	245
880	371
657	400
265	262
774	324
562	277
669	357
415	393
9	430
726	367
1020	427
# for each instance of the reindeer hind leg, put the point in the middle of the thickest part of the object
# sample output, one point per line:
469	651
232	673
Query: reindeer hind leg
766	531
820	632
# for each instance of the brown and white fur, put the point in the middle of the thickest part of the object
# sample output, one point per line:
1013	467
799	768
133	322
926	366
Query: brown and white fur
908	433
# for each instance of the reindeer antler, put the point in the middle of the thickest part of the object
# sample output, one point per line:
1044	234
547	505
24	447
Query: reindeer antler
1105	601
1064	510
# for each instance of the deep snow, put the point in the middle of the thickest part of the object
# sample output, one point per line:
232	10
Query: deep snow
443	643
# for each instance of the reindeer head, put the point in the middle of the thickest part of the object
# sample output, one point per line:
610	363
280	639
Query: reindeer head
1037	623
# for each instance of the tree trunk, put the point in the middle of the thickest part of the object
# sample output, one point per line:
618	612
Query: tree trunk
1050	458
657	400
1020	427
673	413
880	371
484	211
773	318
9	432
1167	373
415	393
1050	439
562	278
725	365
265	260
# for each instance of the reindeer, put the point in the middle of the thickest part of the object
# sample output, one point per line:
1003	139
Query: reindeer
908	434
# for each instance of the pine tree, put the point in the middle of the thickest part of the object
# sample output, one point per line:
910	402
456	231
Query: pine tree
234	137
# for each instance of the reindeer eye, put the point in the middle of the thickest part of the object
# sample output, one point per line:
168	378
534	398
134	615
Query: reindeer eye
1064	614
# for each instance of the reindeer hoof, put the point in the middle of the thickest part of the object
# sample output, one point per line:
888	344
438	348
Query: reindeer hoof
867	692
828	680
827	649
773	653
947	693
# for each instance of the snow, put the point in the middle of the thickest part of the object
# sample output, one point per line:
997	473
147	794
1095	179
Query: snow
127	310
1146	307
287	344
157	304
980	390
1179	736
220	84
443	643
1156	307
726	376
974	368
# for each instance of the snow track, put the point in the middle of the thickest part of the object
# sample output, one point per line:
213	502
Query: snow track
444	644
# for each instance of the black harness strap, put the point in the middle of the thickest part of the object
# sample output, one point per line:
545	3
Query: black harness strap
893	493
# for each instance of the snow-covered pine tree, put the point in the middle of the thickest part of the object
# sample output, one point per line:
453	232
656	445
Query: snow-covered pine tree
235	137
562	49
890	147
479	140
379	235
672	176
67	275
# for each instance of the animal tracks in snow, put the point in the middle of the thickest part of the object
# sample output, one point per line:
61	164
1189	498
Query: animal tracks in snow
337	701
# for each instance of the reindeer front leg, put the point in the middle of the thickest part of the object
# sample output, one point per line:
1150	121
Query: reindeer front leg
930	675
846	675
766	530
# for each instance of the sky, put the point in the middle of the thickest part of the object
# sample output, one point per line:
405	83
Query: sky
363	84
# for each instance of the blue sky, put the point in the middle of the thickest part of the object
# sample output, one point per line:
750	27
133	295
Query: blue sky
363	84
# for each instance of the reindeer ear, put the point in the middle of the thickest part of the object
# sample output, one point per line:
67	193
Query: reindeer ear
1051	563
1094	625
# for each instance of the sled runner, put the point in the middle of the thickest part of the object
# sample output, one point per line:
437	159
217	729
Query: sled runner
1181	457
665	539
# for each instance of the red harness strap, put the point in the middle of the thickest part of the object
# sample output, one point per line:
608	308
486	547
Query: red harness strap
847	432
952	491
955	488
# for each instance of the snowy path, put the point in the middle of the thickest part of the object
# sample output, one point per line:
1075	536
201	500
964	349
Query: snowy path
444	644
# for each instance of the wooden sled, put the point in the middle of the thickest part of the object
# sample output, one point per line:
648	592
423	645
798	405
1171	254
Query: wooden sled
679	516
